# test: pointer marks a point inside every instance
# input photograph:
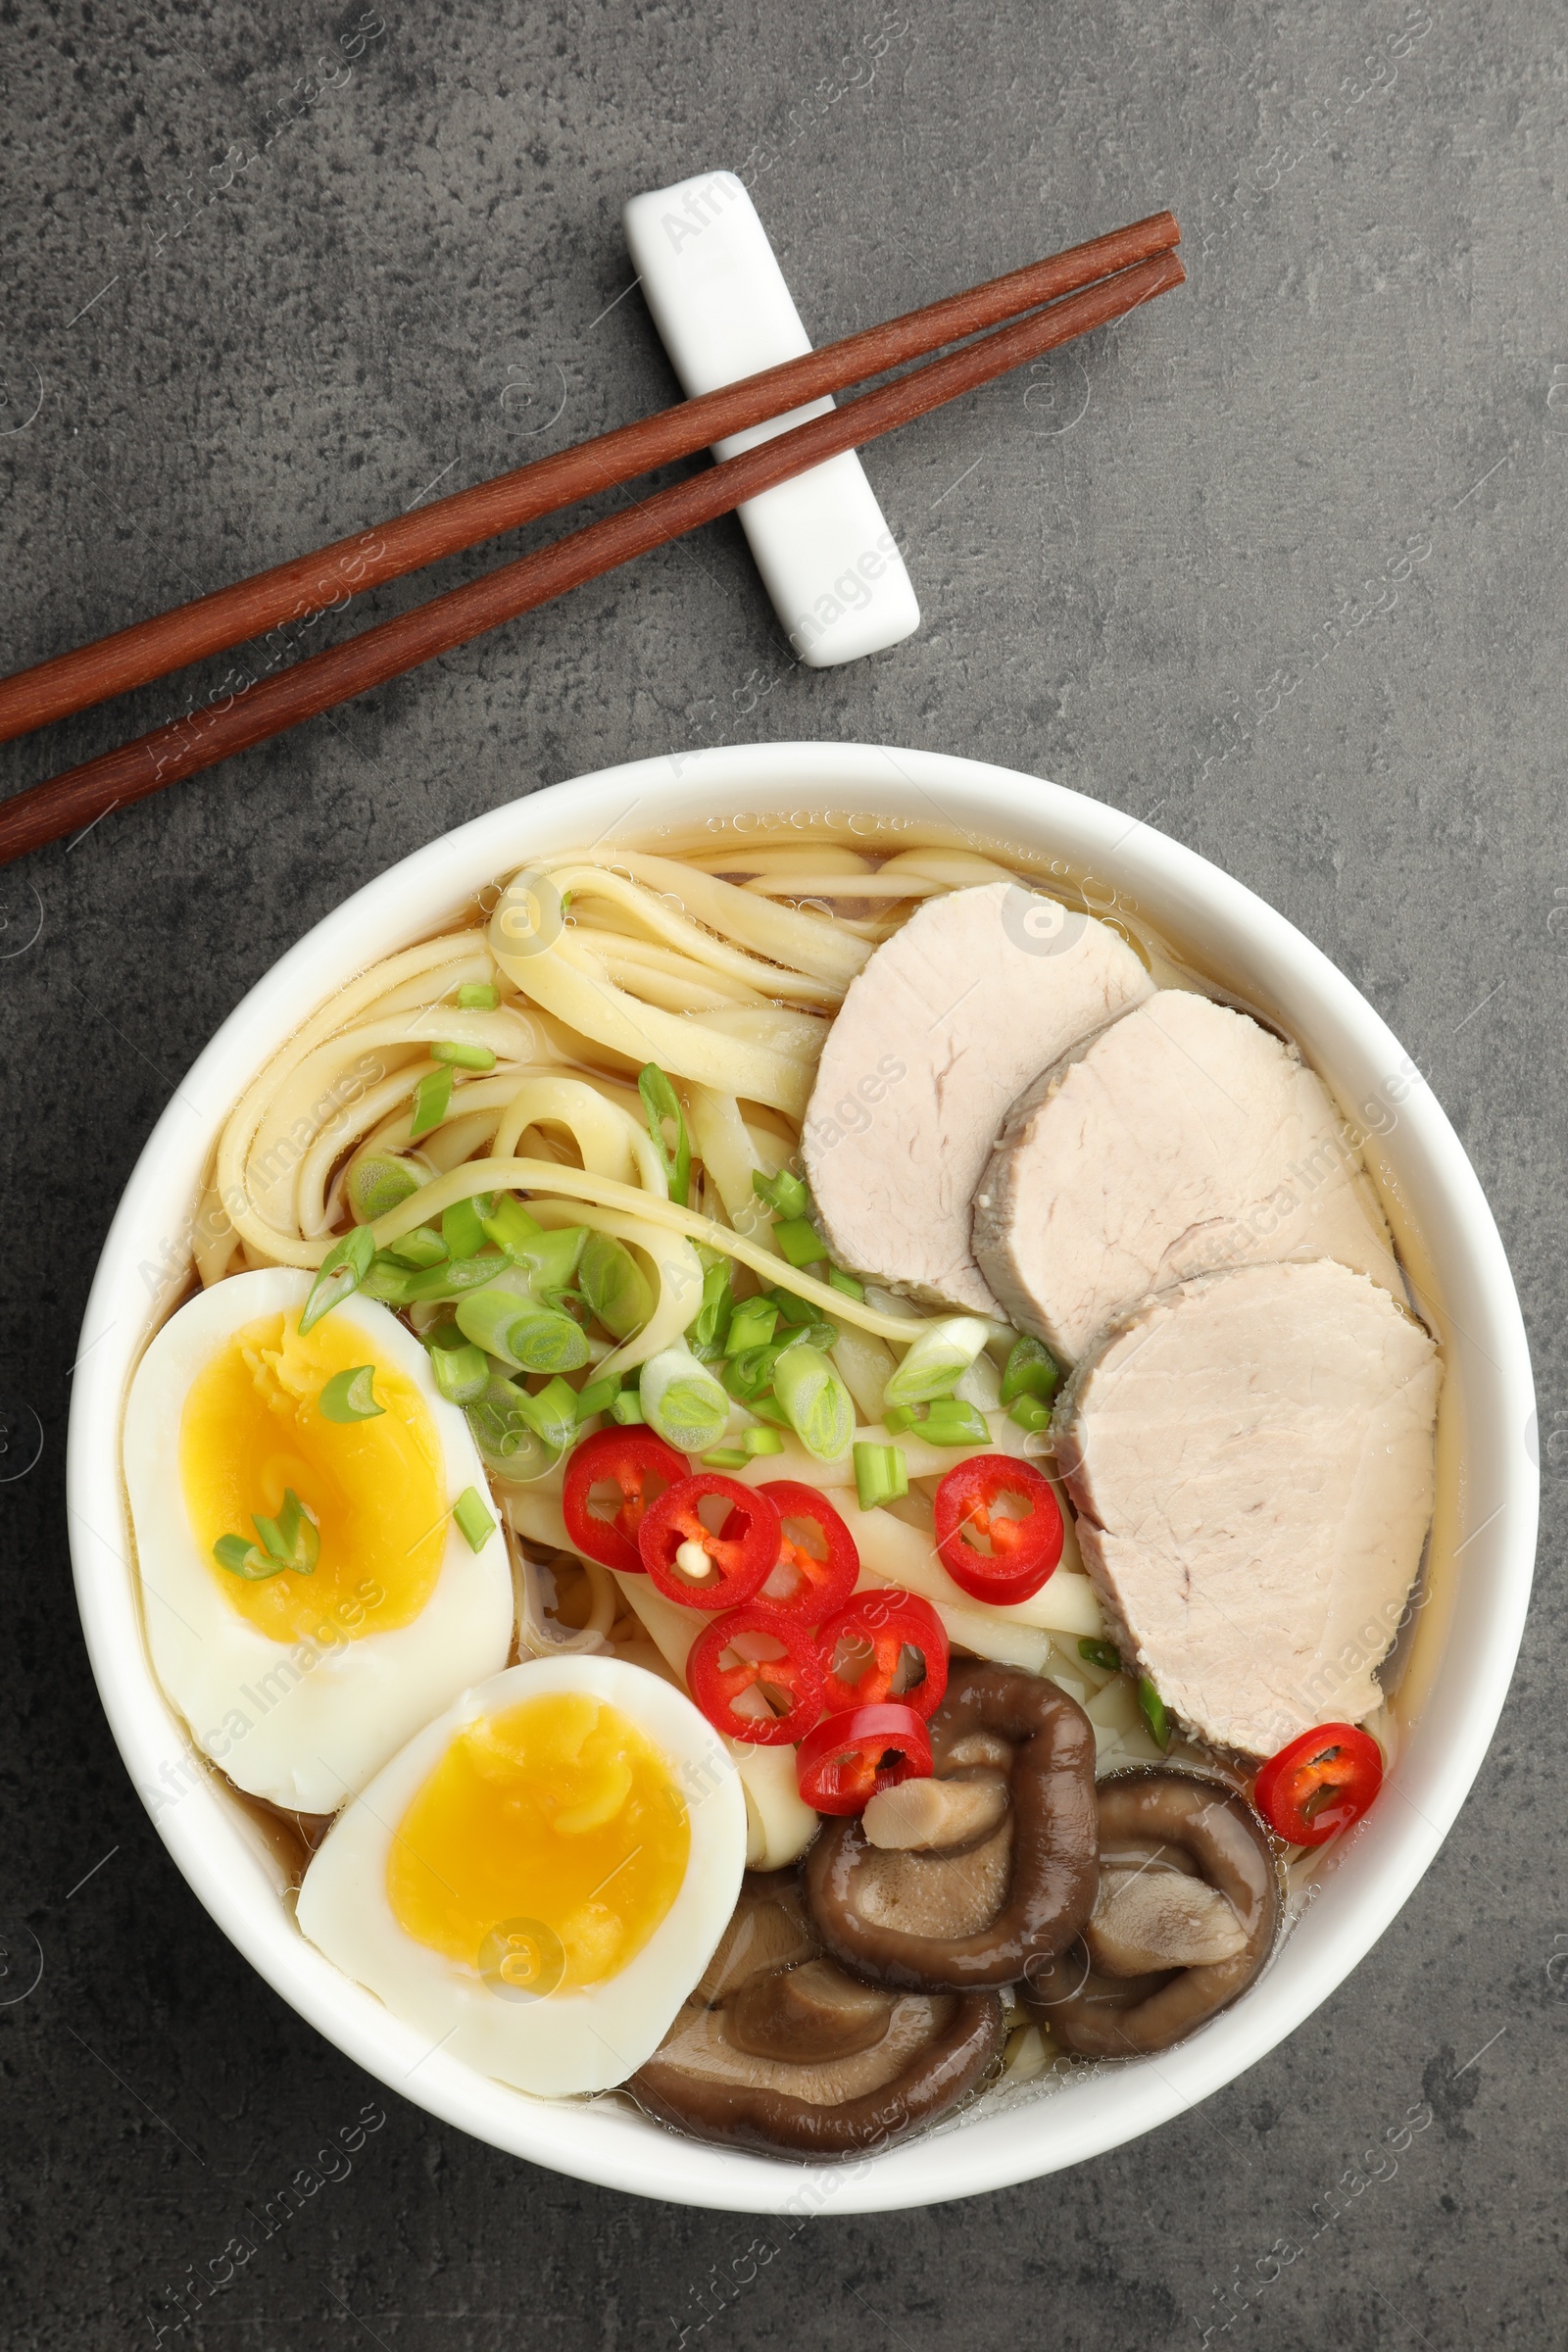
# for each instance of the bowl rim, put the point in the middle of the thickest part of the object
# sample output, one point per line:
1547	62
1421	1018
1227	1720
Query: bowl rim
1376	1866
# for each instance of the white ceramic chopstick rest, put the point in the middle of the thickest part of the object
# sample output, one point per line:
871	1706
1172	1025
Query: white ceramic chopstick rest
718	299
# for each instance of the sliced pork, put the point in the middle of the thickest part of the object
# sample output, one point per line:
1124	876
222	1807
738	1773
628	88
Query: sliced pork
1251	1455
1183	1139
950	1020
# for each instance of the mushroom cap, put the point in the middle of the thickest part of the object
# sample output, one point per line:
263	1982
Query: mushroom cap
781	2051
812	2011
1150	1918
1192	1827
984	1913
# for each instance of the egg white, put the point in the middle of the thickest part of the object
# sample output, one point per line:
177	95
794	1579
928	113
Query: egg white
303	1724
570	2041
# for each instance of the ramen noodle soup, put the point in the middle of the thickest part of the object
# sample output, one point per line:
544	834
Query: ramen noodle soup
799	1474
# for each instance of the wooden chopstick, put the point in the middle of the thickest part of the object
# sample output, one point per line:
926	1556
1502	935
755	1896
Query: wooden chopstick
80	796
267	600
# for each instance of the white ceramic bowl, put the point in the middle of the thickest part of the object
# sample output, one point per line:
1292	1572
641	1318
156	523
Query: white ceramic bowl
1484	1542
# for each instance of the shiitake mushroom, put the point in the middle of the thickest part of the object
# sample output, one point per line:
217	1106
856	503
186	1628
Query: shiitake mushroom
1187	1911
782	2051
984	1911
853	2005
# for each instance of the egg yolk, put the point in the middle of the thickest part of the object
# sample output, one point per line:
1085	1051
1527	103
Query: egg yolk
544	1847
252	1428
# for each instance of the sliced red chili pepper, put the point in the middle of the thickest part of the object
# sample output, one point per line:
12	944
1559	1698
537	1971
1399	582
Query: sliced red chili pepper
675	1540
796	1676
632	1459
1320	1784
886	1623
804	1583
847	1759
1023	1551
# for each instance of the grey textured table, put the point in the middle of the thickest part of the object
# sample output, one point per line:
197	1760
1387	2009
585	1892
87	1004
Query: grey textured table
1280	565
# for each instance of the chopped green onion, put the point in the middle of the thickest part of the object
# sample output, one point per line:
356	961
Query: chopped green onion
545	1261
1103	1654
485	1318
746	1375
350	1396
376	1181
793	1311
710	1325
840	1281
817	1403
497	1424
822	1336
768	1408
615	1285
551	1259
753	1367
881	1474
547	1341
460	1228
458	1056
945	1421
627	1409
597	1396
682	1401
421	1248
429	1284
460	1274
244	1559
343	1269
462	1373
431	1098
508	1223
940	1355
503	1430
799	1241
423	1285
761	1441
551	1414
787	1195
728	1457
1152	1707
662	1108
291	1538
1031	1371
526	1336
474	1523
478	995
1030	1412
455	1279
751	1325
948	1421
386	1281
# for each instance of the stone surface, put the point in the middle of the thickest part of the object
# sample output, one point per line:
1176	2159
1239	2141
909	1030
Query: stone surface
1279	566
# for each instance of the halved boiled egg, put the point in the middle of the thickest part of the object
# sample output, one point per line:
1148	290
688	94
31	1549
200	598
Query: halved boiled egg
540	1877
309	1598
